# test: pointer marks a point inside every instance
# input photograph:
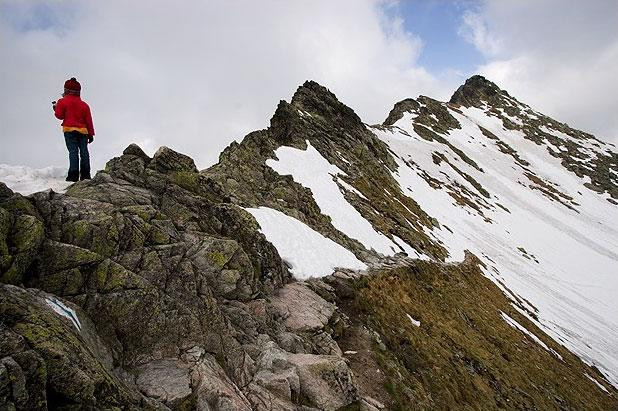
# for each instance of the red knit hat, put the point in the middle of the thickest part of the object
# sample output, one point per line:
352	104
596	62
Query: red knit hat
72	86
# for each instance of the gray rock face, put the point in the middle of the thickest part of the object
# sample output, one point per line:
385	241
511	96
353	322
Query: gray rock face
310	321
165	380
215	390
325	381
195	381
301	308
47	361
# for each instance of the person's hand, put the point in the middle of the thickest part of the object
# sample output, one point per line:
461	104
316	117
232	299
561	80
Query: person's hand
90	139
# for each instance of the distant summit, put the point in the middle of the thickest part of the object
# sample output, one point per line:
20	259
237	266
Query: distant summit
476	89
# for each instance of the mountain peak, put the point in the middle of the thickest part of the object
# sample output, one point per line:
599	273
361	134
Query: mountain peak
405	105
314	98
311	100
312	86
476	89
312	89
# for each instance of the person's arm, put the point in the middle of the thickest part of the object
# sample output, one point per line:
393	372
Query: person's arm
89	124
59	109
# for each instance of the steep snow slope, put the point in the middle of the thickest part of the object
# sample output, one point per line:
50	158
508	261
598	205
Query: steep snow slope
557	259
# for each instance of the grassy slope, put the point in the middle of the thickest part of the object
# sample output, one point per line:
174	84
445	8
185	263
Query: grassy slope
464	355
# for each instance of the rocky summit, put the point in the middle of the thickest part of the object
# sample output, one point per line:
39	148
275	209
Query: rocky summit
461	255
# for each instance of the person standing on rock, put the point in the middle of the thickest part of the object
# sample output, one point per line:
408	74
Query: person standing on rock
77	127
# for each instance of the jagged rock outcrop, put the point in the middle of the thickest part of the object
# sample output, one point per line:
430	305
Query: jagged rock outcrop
151	286
475	91
48	361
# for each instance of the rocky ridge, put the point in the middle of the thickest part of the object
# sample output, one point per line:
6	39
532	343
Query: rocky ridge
151	287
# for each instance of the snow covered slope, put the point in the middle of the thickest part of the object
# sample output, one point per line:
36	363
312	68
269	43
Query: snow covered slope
547	240
310	169
308	252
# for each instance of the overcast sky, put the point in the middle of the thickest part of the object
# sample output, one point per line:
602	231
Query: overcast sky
195	75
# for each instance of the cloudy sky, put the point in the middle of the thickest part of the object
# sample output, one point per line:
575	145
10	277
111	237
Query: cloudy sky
195	75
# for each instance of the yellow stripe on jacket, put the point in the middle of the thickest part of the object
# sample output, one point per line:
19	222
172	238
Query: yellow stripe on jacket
82	130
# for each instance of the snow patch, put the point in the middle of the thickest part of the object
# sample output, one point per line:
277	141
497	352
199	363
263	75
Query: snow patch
309	253
597	383
350	188
515	120
313	171
524	330
64	311
411	252
416	323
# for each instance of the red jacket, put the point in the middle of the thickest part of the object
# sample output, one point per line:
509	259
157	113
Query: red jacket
75	113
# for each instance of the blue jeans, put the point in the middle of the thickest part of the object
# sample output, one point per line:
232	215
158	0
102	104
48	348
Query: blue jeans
77	144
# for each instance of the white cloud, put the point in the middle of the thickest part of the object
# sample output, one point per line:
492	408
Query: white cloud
474	30
558	56
193	77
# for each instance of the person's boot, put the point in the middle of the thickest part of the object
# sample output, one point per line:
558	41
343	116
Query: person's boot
72	176
85	175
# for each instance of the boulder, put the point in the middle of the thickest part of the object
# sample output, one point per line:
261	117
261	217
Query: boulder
215	391
301	308
135	150
166	380
325	381
166	160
